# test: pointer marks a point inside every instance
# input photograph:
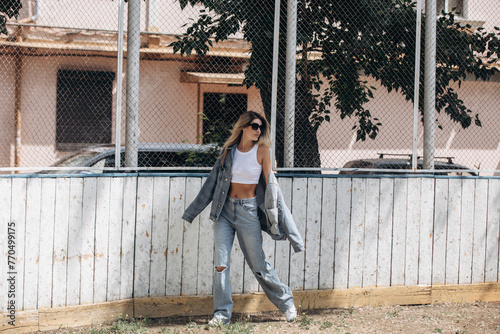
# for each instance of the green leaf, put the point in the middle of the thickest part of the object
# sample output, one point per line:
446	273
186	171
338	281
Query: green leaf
183	3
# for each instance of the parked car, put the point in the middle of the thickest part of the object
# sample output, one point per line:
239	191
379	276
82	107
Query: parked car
149	155
442	166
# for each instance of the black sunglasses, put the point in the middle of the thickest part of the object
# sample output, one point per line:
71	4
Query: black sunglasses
256	126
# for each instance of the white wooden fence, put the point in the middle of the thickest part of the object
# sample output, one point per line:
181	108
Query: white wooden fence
87	240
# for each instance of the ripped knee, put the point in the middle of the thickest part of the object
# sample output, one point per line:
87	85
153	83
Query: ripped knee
220	269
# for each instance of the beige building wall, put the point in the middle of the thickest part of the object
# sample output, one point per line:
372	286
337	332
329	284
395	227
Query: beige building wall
475	147
168	109
71	13
7	113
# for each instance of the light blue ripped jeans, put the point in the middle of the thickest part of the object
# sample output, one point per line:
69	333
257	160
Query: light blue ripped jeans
240	216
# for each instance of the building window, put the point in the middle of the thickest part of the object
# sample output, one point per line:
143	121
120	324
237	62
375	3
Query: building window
455	6
221	111
84	109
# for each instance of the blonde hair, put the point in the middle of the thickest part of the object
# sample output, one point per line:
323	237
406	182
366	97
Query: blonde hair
242	122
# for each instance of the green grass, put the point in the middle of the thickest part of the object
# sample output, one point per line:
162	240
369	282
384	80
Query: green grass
325	325
392	314
130	326
238	327
306	322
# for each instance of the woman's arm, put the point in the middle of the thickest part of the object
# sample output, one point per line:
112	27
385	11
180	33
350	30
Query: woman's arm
205	195
264	158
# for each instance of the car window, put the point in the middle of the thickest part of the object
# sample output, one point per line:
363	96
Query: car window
77	160
99	164
161	159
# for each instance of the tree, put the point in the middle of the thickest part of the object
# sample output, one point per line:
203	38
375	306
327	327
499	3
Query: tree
373	37
8	9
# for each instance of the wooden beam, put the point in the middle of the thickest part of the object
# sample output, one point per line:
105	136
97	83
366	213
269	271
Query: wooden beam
45	319
72	316
212	78
80	315
25	322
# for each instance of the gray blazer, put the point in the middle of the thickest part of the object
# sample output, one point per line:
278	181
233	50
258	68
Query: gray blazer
275	217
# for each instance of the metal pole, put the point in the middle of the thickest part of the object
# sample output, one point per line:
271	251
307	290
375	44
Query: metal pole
291	42
119	85
430	83
274	93
417	84
151	14
17	107
133	60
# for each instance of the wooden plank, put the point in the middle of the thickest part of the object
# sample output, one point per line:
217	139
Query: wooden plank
33	209
466	231
384	257
440	223
84	315
370	244
426	232
18	216
399	232
128	237
467	293
317	299
298	209
159	241
412	231
61	231
88	240
283	248
142	265
453	231
206	252
327	243
492	231
47	221
400	295
115	238
175	233
479	237
342	228
357	238
313	233
190	246
25	322
102	235
75	241
5	223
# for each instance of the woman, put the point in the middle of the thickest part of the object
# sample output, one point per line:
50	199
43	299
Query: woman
245	158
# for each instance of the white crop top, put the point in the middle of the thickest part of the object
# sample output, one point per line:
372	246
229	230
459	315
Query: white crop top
246	168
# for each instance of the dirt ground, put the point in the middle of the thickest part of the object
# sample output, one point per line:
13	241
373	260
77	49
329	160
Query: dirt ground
438	318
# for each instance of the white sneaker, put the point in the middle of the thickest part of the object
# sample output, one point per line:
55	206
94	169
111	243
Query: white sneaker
218	322
291	314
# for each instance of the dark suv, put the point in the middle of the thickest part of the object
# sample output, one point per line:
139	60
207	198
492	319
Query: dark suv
442	166
150	156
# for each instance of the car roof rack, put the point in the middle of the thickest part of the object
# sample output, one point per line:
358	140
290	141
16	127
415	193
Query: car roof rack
409	155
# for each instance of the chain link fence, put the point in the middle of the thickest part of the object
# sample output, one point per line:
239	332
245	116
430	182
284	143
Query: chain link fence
203	63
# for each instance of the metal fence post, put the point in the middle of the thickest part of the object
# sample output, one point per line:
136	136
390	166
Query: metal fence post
274	93
430	83
291	42
119	81
133	61
417	85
